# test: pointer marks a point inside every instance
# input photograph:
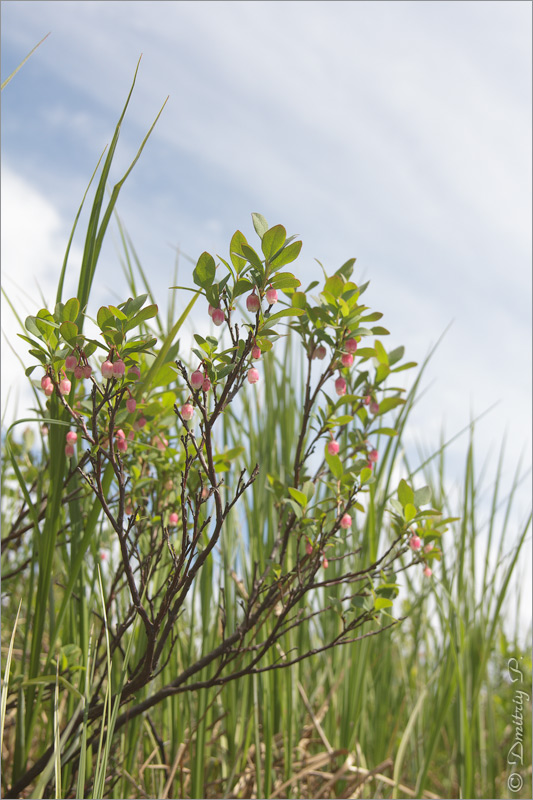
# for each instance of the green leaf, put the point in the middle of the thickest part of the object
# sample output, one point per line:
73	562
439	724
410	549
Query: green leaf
381	354
365	352
264	344
371	317
233	452
409	365
300	497
37	345
397	506
288	254
144	314
273	240
71	310
235	250
346	269
204	272
117	313
334	285
405	493
104	318
379	331
241	286
389	403
296	508
132	305
334	463
344	420
382	602
422	496
395	355
385	431
382	372
39	354
285	280
31	326
286	312
260	224
366	473
213	295
308	489
299	300
68	330
409	511
252	257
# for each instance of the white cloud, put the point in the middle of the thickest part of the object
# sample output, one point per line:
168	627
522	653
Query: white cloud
33	247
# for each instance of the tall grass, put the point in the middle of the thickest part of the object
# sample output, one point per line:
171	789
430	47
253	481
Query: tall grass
423	710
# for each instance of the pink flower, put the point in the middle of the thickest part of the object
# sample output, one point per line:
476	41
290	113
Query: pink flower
65	386
187	411
131	404
69	450
428	548
374	407
346	359
373	455
141	422
71	437
333	447
340	386
71	362
308	548
415	543
87	371
428	572
350	345
319	352
107	369
45	380
346	521
217	316
253	375
325	562
197	378
79	372
210	309
206	385
173	519
256	352
271	296
253	303
367	400
119	368
134	372
122	445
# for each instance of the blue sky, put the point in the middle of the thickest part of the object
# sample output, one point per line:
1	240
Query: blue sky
396	132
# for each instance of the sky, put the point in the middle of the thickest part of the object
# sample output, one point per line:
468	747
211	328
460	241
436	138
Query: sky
396	132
